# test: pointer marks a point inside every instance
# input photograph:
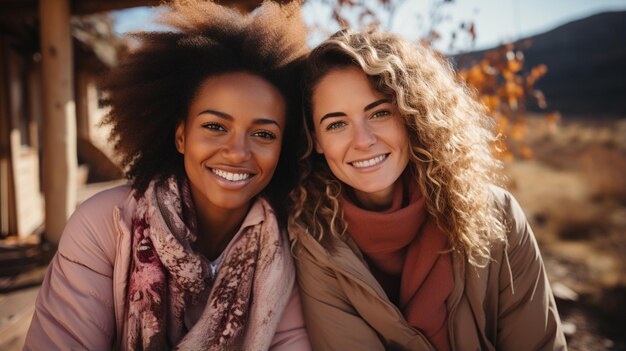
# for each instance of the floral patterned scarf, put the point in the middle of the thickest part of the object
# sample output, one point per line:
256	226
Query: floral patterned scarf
245	300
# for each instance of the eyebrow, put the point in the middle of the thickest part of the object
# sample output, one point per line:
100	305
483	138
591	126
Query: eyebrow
366	108
226	116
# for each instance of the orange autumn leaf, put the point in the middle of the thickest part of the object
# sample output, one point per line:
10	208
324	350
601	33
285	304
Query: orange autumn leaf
540	98
526	152
434	35
539	71
515	66
491	101
472	31
475	76
502	123
518	131
553	117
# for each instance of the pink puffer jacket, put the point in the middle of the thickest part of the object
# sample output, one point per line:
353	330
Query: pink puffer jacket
82	299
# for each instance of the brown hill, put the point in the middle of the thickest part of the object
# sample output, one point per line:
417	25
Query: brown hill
586	62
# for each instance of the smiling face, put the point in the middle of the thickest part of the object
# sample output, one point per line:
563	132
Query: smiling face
361	134
231	140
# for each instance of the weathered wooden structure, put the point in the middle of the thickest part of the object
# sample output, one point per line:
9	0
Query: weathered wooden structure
42	78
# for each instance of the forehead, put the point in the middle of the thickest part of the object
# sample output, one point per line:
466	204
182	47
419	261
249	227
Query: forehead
239	94
344	87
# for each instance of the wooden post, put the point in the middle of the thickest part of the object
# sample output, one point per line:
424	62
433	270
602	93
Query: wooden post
5	148
59	116
82	105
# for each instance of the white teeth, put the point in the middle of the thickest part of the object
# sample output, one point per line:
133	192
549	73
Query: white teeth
233	177
370	162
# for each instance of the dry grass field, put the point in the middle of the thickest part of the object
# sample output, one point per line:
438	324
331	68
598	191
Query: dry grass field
573	191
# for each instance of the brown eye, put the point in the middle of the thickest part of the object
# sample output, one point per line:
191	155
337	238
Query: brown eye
265	134
214	127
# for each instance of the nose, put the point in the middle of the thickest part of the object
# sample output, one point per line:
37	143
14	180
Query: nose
364	137
236	149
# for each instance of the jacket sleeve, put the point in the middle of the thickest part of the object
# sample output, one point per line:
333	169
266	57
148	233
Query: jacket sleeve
291	333
331	321
74	309
528	318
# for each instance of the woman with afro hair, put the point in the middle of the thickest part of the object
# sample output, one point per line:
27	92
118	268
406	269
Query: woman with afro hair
191	255
402	241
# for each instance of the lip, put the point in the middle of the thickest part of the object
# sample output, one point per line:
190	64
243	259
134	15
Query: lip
231	184
372	168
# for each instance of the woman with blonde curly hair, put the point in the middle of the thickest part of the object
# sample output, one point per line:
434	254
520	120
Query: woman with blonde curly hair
401	240
192	254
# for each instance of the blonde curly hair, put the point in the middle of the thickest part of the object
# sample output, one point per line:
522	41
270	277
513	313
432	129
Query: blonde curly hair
449	136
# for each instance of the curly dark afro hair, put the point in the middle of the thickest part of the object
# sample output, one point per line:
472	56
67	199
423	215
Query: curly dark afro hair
150	91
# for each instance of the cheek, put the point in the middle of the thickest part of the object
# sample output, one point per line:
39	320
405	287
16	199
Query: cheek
404	144
192	142
268	156
401	133
335	155
331	145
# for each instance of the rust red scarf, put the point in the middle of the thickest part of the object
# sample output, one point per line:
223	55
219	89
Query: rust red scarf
407	255
245	301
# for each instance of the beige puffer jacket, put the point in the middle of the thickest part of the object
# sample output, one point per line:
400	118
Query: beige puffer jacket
507	305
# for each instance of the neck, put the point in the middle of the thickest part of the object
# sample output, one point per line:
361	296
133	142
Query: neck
376	201
216	227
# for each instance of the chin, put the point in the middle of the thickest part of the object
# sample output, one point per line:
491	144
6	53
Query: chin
230	203
373	188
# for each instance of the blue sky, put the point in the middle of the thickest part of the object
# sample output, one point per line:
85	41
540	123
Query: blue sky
496	21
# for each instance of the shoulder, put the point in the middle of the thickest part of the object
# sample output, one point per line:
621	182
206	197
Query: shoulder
307	250
96	212
510	210
320	268
521	244
502	198
90	233
524	296
110	197
313	262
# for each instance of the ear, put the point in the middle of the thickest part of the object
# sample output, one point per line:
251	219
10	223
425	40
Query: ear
317	145
180	137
